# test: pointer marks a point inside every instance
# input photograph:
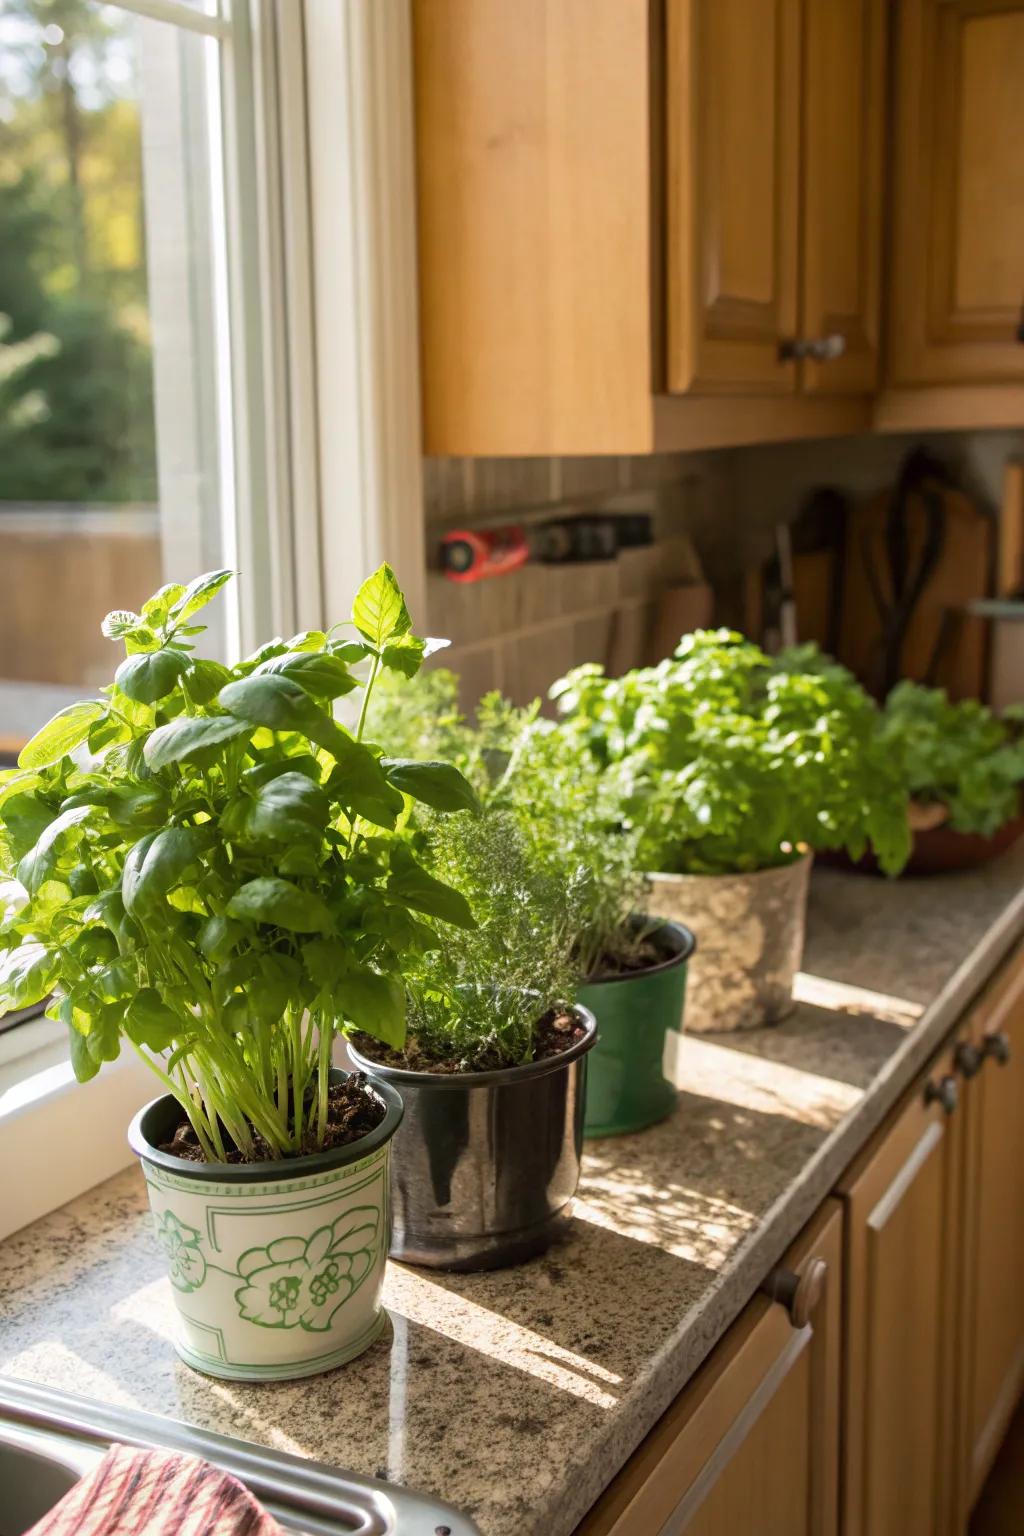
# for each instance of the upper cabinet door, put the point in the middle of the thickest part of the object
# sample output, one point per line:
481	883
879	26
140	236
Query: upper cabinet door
733	153
957	302
843	141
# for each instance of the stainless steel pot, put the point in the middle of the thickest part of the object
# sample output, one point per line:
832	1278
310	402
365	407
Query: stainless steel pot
485	1164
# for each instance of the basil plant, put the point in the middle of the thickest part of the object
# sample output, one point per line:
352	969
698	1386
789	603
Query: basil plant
203	862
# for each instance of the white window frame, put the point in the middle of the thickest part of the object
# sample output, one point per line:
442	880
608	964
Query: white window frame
320	183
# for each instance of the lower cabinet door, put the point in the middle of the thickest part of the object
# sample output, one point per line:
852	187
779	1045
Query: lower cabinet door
993	1245
901	1297
750	1447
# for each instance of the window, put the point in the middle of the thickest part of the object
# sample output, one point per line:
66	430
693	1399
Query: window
116	398
139	414
194	370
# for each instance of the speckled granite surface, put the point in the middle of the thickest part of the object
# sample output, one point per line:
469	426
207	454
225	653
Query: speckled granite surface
517	1395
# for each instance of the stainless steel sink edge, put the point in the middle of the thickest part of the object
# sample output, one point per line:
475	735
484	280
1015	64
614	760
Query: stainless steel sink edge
305	1496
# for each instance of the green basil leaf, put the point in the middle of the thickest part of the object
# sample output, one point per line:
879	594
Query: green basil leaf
41	861
150	675
286	809
25	818
156	863
324	960
15	782
218	937
198	593
379	612
205	679
119	623
158	607
349	651
272	900
410	883
440	785
27	974
373	1003
262	773
183	738
308	640
282	705
83	1063
319	673
144	808
149	1022
358	782
59	736
404	654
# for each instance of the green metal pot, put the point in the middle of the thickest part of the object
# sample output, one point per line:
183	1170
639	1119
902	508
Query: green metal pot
626	1087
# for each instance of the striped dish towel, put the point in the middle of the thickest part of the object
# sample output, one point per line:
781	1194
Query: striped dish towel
156	1493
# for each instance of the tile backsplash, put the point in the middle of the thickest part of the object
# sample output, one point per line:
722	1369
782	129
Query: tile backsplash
520	631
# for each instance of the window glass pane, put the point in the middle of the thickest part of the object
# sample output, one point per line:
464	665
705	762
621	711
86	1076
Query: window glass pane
113	393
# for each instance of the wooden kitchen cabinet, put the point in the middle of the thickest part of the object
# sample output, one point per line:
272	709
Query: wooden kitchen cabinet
751	1446
957	218
900	1350
842	158
993	1233
775	138
626	208
733	162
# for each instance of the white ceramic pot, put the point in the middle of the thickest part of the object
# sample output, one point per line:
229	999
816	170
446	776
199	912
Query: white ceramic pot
750	941
276	1267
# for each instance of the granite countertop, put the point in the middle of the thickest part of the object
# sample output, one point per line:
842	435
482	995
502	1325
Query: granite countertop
518	1394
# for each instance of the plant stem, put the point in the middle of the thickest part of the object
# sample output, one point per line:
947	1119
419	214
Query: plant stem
326	1032
374	668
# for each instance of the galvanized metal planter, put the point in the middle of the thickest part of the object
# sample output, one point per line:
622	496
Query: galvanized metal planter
276	1267
626	1086
750	940
486	1163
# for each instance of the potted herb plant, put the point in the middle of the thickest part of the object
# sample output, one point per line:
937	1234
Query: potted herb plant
731	771
631	968
632	965
963	770
202	864
493	1069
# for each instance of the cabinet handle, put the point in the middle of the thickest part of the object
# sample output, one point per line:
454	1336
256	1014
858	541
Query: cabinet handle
969	1059
997	1046
798	1291
821	349
944	1092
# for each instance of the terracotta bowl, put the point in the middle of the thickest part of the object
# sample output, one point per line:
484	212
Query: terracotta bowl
939	850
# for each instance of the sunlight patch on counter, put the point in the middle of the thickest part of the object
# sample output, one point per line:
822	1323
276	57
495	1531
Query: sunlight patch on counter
500	1339
841	997
732	1076
702	1229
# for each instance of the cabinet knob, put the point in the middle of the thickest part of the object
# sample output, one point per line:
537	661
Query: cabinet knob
821	349
997	1045
799	1291
969	1059
944	1092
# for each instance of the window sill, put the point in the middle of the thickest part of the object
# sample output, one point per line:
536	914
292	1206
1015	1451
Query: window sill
61	1136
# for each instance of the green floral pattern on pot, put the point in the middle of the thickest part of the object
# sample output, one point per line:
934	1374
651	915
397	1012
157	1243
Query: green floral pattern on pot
277	1278
297	1283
